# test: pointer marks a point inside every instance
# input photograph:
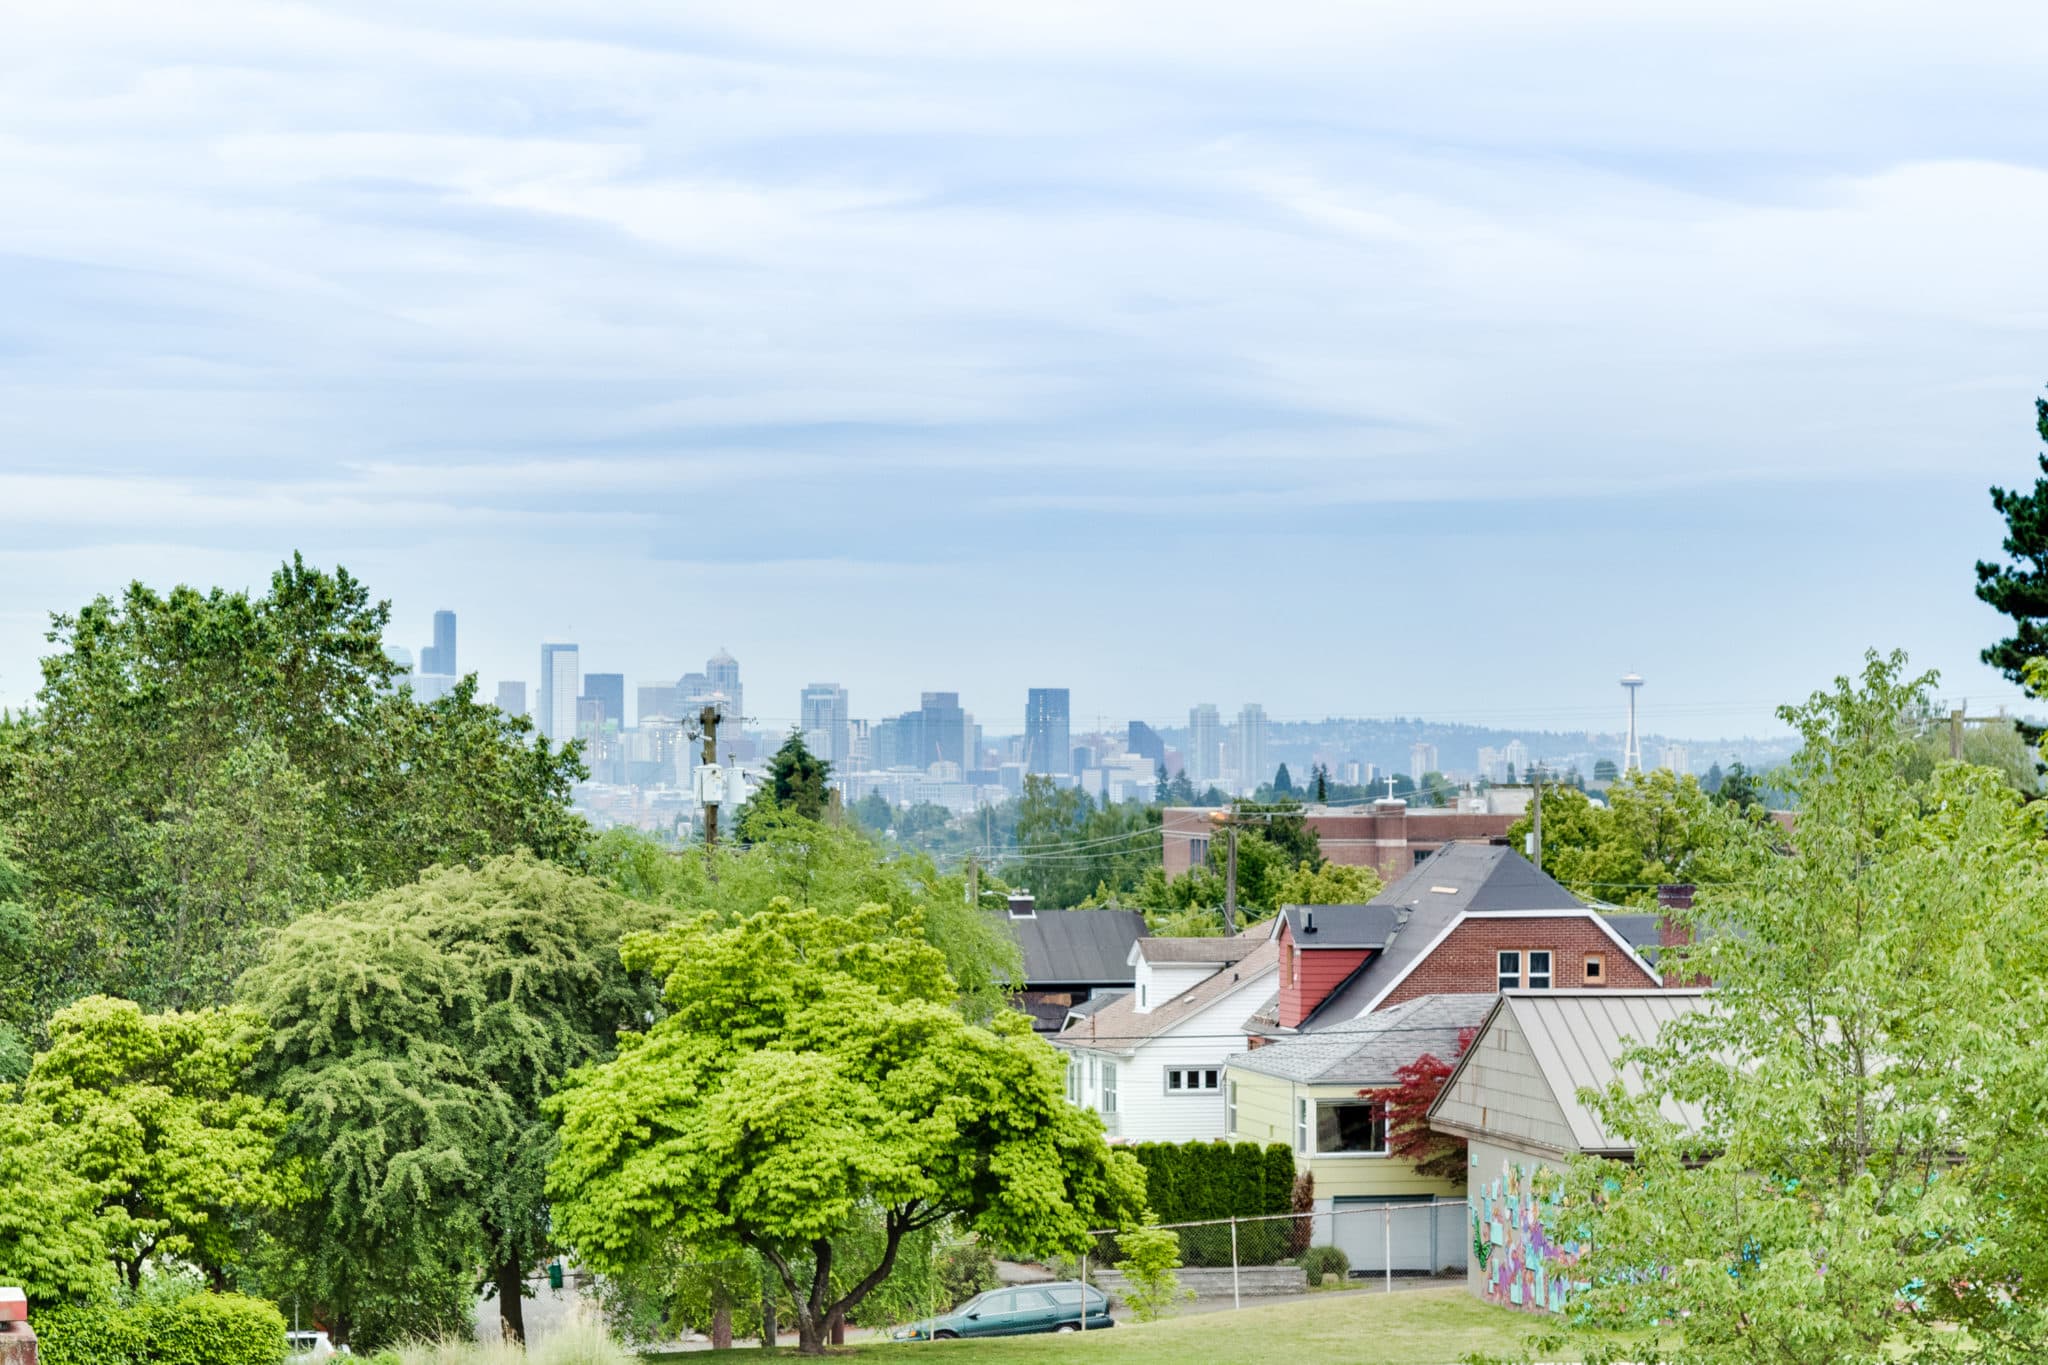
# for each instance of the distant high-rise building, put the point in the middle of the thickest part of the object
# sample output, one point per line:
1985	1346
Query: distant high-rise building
1251	747
1516	755
512	698
1046	748
1492	766
560	684
1205	737
609	691
821	711
1422	759
1678	758
722	672
1145	742
657	699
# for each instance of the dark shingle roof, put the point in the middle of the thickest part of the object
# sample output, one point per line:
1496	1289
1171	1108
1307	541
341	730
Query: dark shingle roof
1078	947
1341	926
1189	951
1369	1050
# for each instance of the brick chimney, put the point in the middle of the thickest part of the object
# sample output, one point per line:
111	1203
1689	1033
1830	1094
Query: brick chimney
17	1338
1671	897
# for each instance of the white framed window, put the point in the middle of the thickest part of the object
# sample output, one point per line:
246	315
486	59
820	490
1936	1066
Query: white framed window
1091	1073
1230	1109
1141	996
1109	1087
1301	1128
1192	1080
1508	968
1539	969
1351	1128
1073	1080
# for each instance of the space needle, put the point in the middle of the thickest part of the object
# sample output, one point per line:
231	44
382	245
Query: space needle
1632	752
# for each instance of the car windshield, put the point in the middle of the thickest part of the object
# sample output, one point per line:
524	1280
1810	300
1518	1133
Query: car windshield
978	1301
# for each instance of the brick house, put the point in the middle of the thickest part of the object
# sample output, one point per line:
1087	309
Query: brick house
1472	918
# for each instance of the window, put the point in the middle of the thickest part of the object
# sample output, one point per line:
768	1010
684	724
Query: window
1141	995
1192	1080
1198	852
1230	1110
1109	1087
1596	969
1350	1126
1073	1080
1091	1073
1539	970
1422	855
1509	970
1301	1127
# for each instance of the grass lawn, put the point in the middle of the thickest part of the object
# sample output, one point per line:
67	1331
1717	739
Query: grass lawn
1415	1327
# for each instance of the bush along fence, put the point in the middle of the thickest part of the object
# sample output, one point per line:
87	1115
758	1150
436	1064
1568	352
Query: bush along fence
1188	1182
1269	1254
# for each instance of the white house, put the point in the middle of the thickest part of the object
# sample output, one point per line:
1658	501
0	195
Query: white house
1151	1062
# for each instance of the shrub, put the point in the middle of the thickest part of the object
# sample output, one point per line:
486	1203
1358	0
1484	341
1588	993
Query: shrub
215	1329
1317	1262
966	1269
97	1335
1187	1182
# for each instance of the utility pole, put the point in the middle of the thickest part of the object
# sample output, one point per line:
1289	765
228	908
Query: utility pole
973	880
1536	824
707	724
1230	880
1956	722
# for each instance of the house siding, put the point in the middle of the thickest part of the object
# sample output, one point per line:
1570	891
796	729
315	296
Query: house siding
1322	971
1265	1113
1146	1111
1466	959
1500	1090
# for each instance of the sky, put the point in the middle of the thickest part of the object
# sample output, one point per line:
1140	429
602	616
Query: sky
1425	358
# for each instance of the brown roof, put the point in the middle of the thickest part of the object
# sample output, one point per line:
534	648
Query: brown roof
1223	950
1119	1027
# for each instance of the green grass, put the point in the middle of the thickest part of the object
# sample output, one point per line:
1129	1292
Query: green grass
1414	1327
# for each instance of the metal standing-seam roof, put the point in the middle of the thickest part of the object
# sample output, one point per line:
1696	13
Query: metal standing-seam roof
1571	1039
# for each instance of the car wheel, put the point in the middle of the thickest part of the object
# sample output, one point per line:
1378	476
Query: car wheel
1068	1327
945	1336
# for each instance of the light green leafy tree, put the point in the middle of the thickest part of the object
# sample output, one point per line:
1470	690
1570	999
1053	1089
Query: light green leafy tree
1656	827
813	1077
199	767
1148	1258
1865	1185
414	1039
160	1123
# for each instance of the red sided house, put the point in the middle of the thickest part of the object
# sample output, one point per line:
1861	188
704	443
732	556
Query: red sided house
1471	918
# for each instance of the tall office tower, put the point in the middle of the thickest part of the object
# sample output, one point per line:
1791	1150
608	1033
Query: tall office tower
1517	755
886	743
723	673
1422	759
1045	730
1632	751
609	690
1144	741
1251	747
821	711
1205	735
1678	758
512	698
947	734
860	747
658	699
560	684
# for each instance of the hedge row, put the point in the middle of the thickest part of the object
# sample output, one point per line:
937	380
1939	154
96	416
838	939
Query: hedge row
204	1329
1189	1181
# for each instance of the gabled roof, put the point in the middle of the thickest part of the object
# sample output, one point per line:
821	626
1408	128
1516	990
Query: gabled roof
1572	1040
1369	1050
1187	952
1078	947
1341	926
1119	1027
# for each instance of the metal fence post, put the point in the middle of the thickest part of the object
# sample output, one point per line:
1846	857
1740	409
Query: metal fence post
1387	1244
1236	1299
1084	1291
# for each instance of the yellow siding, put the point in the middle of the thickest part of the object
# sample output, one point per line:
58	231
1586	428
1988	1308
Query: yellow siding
1265	1113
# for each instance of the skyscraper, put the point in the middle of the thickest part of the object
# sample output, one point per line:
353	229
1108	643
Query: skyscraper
1046	730
609	691
1251	747
1145	742
1205	735
512	698
560	682
722	672
658	699
821	711
1421	759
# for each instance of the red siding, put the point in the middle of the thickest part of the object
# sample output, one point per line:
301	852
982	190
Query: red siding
1465	961
1307	984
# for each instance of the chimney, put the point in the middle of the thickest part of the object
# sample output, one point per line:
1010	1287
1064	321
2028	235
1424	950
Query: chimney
17	1338
1308	919
1023	905
1673	897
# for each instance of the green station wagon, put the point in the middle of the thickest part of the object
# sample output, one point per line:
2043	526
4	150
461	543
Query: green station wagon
1013	1312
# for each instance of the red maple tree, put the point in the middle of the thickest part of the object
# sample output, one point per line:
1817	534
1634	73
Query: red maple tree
1407	1102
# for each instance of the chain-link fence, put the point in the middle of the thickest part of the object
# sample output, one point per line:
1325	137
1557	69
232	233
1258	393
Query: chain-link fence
1362	1243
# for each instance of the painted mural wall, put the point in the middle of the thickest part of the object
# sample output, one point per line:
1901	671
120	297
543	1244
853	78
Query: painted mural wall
1517	1263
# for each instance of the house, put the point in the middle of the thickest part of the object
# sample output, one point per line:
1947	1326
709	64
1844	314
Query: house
1514	1098
1473	918
1151	1062
1304	1091
1072	958
1388	836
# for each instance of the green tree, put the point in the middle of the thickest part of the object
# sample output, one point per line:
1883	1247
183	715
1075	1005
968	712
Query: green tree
1604	770
162	1127
414	1038
1865	1181
1283	782
201	767
1149	1257
1656	827
813	1076
1320	791
1711	783
2018	587
1330	884
874	813
796	783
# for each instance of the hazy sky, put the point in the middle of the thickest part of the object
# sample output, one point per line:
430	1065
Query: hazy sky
1420	357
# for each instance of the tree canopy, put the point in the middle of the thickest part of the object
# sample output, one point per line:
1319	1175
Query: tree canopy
202	767
413	1039
812	1076
796	784
2018	586
1656	827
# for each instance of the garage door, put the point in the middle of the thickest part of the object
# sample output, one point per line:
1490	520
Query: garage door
1426	1238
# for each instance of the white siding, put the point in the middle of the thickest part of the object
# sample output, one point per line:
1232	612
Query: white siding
1145	1111
1158	984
